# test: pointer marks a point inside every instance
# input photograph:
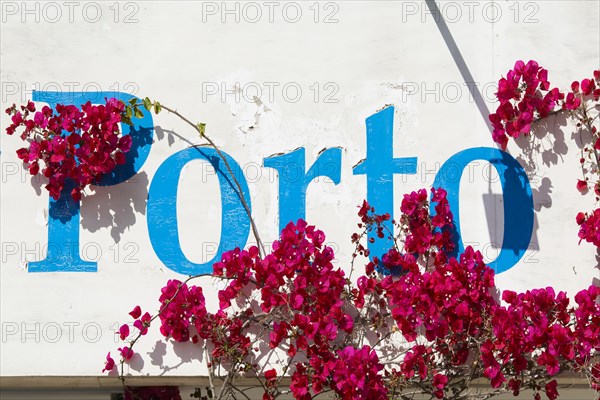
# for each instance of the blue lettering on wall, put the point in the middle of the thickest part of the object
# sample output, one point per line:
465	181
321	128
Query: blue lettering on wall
293	179
518	200
63	214
380	167
162	210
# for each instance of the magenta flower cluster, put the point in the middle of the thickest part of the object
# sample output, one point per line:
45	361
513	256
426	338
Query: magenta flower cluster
525	97
70	143
524	94
297	301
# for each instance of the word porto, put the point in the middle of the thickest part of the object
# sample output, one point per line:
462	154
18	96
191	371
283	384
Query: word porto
379	167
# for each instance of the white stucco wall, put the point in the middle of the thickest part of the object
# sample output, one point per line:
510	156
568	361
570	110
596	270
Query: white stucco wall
372	53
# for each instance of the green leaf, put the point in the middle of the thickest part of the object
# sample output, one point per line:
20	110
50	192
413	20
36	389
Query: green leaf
157	107
126	120
201	128
128	112
147	103
133	101
139	113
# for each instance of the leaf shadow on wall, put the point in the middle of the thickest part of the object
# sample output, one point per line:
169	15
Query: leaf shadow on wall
115	206
545	145
37	183
107	206
170	135
187	352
